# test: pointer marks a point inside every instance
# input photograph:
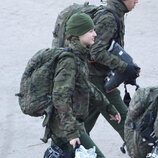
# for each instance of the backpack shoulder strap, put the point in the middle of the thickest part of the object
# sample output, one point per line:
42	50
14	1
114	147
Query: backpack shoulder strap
66	52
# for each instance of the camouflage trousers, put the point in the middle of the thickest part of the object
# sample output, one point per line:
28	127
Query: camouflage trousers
94	110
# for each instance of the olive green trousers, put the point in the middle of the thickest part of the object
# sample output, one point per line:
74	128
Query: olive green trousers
87	142
114	98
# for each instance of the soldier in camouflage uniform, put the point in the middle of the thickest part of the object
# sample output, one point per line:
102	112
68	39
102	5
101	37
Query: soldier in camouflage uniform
72	89
106	27
138	142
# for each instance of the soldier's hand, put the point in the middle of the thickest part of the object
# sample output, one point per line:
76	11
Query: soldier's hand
74	142
116	117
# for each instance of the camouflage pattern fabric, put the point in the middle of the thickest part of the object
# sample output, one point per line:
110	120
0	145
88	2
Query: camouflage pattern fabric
71	95
106	29
140	103
37	81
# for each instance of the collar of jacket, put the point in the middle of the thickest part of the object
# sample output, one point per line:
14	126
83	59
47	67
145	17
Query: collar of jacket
79	50
118	6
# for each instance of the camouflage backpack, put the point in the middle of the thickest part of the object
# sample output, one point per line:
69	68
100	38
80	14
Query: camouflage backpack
64	15
139	124
36	85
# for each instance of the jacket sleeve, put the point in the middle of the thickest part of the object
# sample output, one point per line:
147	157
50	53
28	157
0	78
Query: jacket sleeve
106	27
99	99
64	85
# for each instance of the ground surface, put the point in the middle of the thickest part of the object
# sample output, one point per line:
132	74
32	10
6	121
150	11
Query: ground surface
25	27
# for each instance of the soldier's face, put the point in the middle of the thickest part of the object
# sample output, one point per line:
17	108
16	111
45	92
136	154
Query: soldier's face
130	4
88	38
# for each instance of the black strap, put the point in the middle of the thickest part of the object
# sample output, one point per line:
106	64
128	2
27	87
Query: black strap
127	97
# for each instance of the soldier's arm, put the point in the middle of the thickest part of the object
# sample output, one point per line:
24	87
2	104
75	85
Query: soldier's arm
64	84
106	27
99	99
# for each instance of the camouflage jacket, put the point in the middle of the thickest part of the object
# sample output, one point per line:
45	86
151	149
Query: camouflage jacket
106	29
71	94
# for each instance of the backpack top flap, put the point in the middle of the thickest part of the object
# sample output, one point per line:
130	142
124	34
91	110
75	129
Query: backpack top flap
140	102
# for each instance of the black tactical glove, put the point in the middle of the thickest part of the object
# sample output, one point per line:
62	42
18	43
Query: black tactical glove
132	71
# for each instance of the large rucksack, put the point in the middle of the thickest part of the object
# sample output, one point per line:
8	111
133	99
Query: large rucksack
139	124
64	15
35	98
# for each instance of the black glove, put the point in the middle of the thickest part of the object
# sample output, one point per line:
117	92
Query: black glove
132	71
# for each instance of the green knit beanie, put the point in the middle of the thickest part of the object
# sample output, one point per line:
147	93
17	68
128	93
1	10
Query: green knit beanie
79	24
